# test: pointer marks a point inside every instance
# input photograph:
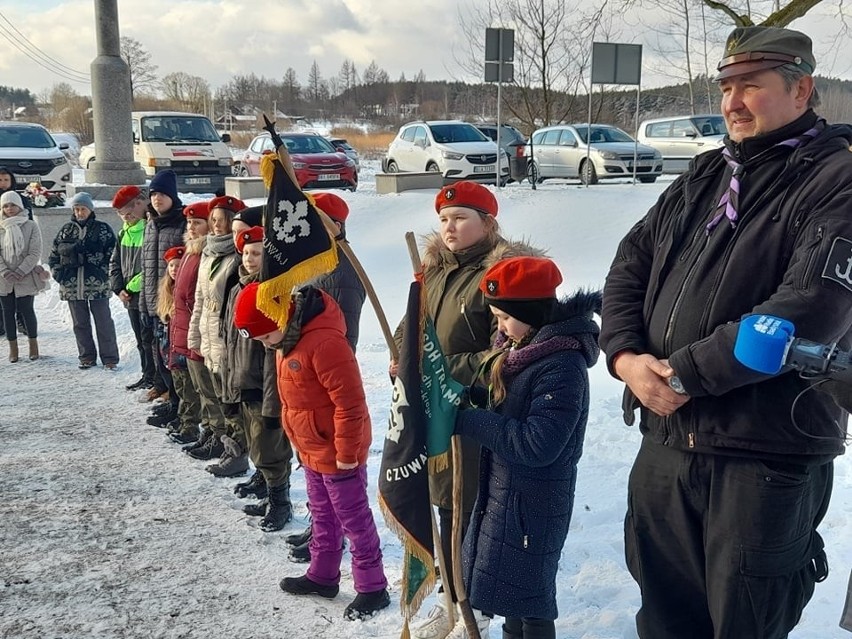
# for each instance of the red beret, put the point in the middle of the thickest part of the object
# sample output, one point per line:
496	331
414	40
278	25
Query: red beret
332	205
247	318
125	195
469	195
249	236
226	202
521	278
197	210
174	253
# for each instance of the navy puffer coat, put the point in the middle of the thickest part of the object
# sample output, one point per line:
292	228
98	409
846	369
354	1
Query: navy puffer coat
530	448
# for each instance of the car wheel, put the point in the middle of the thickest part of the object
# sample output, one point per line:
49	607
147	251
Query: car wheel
235	169
392	167
434	168
244	172
648	179
588	175
89	163
533	173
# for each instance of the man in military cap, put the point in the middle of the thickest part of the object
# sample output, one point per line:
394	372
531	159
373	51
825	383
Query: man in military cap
734	472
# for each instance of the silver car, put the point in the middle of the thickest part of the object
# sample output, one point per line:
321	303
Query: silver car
562	151
680	139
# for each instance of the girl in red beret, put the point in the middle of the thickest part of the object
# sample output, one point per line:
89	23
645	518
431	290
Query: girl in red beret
533	396
454	261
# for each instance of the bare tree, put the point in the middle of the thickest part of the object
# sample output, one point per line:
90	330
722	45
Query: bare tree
766	13
292	88
142	71
551	52
190	92
317	89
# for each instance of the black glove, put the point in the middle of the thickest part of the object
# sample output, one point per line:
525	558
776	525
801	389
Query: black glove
271	423
69	254
230	409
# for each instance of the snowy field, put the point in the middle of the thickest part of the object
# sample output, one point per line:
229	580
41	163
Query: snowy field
107	530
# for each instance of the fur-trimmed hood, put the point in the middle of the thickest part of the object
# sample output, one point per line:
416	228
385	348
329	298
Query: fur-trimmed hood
573	316
436	253
196	246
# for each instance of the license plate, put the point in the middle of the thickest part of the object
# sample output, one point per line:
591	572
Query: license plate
328	177
27	178
198	180
488	168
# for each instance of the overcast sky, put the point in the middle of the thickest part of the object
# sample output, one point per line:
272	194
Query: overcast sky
216	39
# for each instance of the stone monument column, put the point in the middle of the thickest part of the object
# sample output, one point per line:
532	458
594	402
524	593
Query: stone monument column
111	105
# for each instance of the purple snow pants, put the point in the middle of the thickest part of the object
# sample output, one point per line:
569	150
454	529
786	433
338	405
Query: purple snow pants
339	507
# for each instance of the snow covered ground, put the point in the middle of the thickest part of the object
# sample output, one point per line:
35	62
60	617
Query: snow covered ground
107	530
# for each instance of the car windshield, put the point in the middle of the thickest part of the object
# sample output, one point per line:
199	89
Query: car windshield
710	125
172	128
308	144
603	134
32	137
446	133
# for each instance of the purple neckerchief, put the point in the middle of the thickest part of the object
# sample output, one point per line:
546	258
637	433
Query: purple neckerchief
729	203
519	358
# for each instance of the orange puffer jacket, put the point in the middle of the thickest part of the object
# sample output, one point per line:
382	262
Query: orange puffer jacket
323	407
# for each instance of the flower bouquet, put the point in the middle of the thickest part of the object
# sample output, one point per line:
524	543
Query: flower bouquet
41	197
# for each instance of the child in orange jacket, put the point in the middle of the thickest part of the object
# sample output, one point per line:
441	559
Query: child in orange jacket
324	413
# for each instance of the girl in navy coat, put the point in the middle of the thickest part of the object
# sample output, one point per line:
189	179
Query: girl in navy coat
534	399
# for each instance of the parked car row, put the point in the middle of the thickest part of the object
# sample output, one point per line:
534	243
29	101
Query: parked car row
681	139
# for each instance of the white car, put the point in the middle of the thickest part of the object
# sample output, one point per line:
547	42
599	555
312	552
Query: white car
32	155
562	151
680	139
456	149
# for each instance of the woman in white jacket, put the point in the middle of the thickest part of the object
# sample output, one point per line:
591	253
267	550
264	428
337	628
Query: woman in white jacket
217	272
21	275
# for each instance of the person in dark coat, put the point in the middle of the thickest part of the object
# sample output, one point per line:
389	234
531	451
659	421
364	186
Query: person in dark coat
533	393
734	473
164	230
80	262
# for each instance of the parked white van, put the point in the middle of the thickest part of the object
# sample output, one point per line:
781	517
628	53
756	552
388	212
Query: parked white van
186	143
679	139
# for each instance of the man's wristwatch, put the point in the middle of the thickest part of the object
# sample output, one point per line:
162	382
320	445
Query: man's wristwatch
676	385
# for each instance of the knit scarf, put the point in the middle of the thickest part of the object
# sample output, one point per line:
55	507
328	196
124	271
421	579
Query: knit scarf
729	202
13	238
219	245
520	357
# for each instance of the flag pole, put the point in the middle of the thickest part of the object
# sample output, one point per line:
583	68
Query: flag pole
284	157
458	581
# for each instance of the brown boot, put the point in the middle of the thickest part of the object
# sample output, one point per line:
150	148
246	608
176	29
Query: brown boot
33	348
13	351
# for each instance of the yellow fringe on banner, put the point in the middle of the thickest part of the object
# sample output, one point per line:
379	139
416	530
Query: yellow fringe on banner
411	548
439	463
273	296
267	168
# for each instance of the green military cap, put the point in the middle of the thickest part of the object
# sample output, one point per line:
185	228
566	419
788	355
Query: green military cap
751	49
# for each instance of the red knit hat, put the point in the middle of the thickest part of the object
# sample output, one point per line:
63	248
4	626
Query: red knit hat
197	210
249	236
125	195
521	278
174	253
469	195
247	318
227	202
332	205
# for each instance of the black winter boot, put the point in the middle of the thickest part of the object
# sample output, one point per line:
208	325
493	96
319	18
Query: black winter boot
257	509
304	586
280	510
254	486
299	539
206	434
367	604
162	420
300	554
211	449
